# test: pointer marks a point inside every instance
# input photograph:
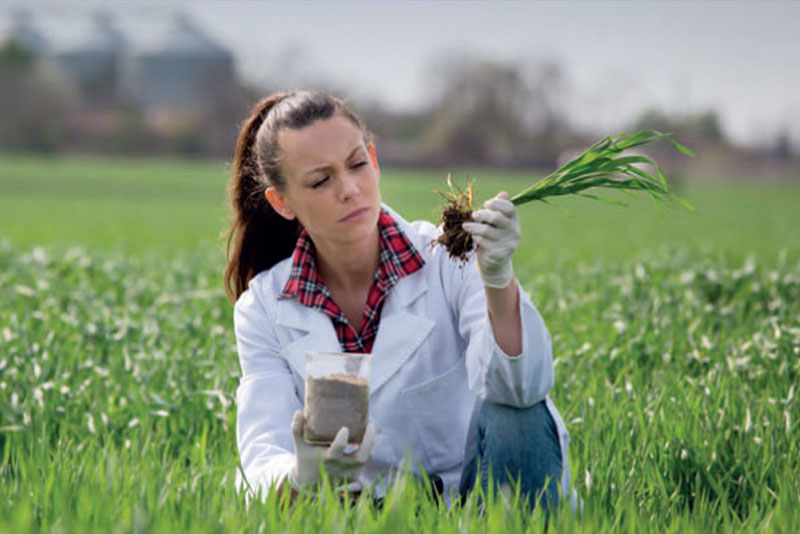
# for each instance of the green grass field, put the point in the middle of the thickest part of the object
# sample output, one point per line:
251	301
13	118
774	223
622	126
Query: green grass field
676	337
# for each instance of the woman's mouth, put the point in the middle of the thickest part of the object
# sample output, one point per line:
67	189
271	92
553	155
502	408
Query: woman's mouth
355	215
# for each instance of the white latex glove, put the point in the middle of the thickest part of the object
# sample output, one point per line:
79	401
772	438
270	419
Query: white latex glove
497	233
337	464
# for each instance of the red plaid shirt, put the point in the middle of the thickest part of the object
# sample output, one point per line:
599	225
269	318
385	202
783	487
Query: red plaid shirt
398	258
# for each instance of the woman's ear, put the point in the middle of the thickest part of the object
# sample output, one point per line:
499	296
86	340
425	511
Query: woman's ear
373	157
277	202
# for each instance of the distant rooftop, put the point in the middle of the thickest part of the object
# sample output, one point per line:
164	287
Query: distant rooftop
105	35
60	29
186	38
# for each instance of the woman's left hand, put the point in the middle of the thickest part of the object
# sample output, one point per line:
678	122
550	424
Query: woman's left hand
497	233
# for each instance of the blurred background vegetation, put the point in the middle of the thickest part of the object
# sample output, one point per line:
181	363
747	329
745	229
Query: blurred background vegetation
182	94
120	131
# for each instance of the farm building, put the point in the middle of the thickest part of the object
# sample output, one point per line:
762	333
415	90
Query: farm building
185	71
97	65
182	69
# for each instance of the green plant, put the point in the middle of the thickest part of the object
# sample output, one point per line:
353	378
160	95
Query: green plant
602	166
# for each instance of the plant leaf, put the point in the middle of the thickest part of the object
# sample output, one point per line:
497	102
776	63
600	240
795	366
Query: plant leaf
603	166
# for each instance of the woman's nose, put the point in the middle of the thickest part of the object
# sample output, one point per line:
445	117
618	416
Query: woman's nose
349	186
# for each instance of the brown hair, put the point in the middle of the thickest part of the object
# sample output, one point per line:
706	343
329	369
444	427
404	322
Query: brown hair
258	237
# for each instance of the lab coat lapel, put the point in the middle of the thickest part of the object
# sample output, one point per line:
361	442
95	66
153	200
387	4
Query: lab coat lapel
315	329
402	330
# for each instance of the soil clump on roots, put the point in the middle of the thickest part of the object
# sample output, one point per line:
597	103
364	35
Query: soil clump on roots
457	210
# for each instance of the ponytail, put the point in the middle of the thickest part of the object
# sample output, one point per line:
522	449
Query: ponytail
259	237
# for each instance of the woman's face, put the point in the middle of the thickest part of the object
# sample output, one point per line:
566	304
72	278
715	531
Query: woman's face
331	181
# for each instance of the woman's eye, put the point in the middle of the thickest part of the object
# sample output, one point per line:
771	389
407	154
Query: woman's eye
359	164
319	182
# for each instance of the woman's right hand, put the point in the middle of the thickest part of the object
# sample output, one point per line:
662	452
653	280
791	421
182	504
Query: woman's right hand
337	464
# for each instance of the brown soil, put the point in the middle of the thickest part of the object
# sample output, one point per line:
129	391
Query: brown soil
457	242
457	210
333	402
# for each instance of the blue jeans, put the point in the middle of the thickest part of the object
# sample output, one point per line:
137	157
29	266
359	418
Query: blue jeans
521	443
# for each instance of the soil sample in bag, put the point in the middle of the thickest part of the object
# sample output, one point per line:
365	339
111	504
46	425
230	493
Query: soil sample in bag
332	402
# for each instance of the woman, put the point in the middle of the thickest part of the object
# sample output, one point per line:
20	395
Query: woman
461	359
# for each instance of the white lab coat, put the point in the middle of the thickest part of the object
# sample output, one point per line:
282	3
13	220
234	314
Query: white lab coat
433	354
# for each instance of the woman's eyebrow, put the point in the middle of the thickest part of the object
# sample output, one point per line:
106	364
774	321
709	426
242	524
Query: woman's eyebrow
326	167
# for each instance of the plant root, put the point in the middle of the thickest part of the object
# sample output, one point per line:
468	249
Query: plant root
457	210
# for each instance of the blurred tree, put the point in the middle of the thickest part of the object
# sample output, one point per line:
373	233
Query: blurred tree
653	119
33	103
491	113
15	56
703	128
706	126
783	146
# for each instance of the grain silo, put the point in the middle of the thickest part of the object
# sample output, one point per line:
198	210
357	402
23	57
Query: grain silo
185	72
95	66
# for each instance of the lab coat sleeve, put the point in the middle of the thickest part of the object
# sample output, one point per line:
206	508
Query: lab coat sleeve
266	398
518	381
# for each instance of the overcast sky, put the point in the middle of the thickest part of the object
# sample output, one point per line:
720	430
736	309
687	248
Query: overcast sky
741	59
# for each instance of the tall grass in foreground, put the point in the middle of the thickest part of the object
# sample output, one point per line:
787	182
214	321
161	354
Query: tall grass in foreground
676	374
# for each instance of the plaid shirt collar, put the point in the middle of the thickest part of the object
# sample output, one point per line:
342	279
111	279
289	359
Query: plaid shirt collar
398	258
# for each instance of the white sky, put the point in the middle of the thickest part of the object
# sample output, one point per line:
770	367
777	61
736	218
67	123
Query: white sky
739	58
